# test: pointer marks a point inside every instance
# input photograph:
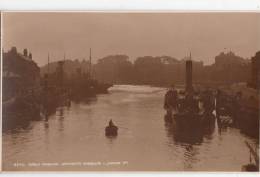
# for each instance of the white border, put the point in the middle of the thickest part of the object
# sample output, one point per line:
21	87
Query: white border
1	98
132	5
128	6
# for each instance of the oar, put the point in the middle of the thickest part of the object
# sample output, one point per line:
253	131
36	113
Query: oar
123	127
118	126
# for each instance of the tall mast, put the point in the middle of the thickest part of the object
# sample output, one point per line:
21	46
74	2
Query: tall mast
48	63
90	63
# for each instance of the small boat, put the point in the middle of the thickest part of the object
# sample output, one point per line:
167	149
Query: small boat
111	130
250	167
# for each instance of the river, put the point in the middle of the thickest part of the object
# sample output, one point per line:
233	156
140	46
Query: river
73	138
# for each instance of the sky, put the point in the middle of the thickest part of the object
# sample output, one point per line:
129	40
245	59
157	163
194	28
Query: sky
205	35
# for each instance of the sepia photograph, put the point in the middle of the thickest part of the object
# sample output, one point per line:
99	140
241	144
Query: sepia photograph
130	91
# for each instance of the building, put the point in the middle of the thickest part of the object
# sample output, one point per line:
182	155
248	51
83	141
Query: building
255	70
20	73
228	59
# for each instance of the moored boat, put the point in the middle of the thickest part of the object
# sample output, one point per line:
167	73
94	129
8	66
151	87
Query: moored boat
192	110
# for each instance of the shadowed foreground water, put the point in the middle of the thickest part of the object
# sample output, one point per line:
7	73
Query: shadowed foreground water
73	138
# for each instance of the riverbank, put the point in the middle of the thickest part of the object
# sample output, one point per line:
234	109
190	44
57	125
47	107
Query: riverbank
245	110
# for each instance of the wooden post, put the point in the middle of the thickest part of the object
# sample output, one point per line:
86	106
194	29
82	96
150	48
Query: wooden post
254	153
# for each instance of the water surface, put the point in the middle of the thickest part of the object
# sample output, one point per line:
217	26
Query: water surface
73	138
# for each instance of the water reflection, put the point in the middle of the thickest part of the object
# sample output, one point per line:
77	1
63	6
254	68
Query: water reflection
209	126
61	119
190	136
46	133
190	156
84	100
111	139
14	123
46	124
188	139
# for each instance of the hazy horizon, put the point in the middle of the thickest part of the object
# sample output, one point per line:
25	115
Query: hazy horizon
205	35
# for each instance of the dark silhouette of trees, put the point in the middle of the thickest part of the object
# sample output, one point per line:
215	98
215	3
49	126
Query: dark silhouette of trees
148	70
114	69
161	70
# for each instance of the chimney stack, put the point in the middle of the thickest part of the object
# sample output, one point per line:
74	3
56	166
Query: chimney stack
25	52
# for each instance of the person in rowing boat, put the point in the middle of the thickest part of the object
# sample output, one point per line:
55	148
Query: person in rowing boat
111	129
111	123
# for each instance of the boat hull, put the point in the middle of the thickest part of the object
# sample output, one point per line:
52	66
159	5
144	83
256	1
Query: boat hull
111	131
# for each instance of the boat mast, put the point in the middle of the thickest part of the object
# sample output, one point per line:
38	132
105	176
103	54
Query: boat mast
48	64
64	57
90	72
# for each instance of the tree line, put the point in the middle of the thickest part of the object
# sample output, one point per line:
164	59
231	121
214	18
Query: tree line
160	70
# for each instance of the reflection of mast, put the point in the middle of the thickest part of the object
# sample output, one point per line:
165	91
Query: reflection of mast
90	69
61	70
46	76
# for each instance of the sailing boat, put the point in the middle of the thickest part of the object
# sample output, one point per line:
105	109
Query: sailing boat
97	86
